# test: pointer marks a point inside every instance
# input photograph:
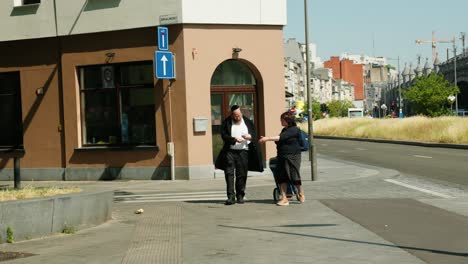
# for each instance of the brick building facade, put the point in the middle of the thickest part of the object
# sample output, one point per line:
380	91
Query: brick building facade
349	72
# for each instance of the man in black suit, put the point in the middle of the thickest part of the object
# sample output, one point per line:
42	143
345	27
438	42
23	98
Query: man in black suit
240	154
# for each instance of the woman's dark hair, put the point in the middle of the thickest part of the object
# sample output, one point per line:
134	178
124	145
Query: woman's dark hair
289	118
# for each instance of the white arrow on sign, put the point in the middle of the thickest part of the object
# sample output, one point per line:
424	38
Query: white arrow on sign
164	61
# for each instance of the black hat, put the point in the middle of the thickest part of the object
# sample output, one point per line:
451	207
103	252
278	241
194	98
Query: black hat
234	108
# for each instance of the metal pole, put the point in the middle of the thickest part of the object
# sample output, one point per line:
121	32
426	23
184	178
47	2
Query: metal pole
17	172
399	90
312	152
171	143
455	72
463	34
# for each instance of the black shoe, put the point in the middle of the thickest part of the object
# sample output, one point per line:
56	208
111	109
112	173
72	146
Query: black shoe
240	200
230	202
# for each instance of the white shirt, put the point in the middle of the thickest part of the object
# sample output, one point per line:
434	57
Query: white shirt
237	130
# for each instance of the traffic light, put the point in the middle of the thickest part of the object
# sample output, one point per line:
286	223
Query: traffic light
323	108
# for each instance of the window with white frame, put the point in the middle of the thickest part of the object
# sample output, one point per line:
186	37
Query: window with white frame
26	2
117	104
11	125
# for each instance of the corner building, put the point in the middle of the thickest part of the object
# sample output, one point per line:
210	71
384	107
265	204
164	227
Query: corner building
79	96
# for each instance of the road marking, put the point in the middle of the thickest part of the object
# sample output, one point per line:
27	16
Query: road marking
361	149
422	157
169	194
171	197
418	189
221	199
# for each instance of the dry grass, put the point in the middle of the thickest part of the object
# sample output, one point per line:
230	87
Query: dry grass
452	130
35	192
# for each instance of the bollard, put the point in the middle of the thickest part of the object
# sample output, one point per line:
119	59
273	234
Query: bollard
17	173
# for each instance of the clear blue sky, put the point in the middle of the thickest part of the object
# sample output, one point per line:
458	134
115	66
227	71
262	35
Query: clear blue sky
393	26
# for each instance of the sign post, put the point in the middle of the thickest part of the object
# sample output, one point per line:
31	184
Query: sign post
164	69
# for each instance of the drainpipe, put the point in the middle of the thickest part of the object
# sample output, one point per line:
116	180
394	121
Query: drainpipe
60	90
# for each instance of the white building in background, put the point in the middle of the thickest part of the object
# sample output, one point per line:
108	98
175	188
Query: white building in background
322	85
316	62
343	91
294	73
294	85
327	89
364	59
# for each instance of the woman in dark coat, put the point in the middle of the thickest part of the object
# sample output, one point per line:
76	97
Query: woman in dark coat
288	146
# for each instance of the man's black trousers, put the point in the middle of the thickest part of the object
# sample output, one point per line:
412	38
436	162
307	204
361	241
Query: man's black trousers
237	162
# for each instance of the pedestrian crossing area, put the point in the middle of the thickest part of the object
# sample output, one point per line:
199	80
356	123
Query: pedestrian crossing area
147	197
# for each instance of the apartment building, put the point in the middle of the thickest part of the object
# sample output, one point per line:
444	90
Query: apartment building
350	72
295	73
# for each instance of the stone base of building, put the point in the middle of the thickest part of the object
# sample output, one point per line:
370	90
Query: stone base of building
110	173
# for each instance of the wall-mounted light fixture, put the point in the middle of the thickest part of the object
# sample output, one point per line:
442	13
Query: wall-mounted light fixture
194	52
109	56
40	91
235	52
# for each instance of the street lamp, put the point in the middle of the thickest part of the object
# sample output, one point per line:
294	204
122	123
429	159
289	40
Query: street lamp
312	151
384	108
451	99
455	71
399	87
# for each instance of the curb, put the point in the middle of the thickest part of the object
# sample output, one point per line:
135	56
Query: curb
399	142
34	218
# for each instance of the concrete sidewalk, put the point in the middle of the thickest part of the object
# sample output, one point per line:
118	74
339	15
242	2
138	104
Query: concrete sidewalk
187	222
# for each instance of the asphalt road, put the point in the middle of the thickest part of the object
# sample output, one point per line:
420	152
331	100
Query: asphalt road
449	165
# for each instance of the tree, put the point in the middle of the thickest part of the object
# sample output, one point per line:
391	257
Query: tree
316	113
428	95
339	108
316	110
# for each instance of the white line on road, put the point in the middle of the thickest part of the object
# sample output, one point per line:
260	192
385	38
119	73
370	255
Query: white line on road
168	194
177	200
418	189
170	197
422	157
361	149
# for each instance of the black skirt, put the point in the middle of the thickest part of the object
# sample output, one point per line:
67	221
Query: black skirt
288	168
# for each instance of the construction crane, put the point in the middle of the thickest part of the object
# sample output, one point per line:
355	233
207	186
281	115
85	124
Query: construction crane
434	41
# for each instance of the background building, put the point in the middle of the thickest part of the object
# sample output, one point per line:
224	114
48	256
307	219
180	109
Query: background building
351	73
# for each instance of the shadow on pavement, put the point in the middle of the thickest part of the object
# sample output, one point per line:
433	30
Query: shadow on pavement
459	254
264	201
307	225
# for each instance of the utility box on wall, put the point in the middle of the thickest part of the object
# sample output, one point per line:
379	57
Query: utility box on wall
200	124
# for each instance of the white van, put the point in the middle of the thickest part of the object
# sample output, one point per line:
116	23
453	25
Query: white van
355	112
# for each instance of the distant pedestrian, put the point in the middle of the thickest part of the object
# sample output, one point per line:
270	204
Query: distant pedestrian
288	146
239	155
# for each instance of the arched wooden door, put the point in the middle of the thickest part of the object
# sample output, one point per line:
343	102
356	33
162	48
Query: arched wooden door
232	83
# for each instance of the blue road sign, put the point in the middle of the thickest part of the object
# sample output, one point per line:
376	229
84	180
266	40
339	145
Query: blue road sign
163	38
164	62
